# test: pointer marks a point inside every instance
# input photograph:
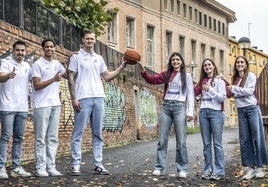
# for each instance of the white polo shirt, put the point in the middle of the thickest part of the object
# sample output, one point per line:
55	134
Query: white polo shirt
88	82
48	96
14	92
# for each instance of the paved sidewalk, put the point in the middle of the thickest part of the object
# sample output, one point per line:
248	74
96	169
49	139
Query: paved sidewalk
132	165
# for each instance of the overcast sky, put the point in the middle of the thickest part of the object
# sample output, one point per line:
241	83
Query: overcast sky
252	21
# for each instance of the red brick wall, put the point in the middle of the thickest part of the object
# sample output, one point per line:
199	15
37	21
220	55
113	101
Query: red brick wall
9	34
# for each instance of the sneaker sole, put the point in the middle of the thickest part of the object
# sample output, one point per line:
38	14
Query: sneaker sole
102	173
75	174
249	177
15	176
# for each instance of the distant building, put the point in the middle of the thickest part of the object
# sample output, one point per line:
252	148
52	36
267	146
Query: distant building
257	61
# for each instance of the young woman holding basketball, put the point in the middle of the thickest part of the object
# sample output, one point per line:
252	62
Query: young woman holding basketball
177	109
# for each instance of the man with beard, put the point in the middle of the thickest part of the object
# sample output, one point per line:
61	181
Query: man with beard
15	75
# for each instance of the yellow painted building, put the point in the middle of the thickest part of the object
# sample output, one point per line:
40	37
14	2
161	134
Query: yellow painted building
257	60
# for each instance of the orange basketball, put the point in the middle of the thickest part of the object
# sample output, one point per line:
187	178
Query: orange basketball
132	56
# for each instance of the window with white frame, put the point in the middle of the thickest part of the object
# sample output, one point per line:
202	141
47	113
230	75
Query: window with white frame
172	5
130	32
190	13
112	30
182	46
195	15
212	51
165	4
203	52
150	46
168	44
193	59
178	8
184	10
222	61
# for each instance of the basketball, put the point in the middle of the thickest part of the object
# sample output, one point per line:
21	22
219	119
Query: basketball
132	56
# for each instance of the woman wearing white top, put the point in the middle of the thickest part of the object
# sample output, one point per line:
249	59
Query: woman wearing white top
213	92
251	134
177	108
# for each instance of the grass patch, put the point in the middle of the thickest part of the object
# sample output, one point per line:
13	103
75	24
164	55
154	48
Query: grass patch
190	130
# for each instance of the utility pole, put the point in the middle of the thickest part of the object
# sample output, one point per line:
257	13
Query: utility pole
249	30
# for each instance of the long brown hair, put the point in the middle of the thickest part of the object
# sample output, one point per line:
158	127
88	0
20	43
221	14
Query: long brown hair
170	70
236	73
204	75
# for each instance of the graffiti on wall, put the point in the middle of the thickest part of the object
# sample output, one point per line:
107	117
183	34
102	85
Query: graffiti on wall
147	109
115	111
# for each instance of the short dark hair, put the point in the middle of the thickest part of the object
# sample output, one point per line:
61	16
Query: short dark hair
19	42
48	40
87	32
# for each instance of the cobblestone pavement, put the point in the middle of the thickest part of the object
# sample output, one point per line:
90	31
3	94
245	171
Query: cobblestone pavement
132	165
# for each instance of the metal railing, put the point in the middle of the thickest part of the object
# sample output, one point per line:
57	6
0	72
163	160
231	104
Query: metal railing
33	17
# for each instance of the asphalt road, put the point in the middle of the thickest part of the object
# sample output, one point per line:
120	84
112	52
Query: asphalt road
132	165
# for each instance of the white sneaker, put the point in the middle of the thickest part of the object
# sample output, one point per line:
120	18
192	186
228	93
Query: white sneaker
259	173
157	172
182	174
41	173
53	172
250	173
3	173
76	170
20	172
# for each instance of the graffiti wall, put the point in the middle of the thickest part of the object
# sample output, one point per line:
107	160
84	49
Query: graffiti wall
147	109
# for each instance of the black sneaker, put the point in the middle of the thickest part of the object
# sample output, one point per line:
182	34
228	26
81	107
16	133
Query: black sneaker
101	171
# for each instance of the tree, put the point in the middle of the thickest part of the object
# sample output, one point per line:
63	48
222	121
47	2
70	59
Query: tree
85	14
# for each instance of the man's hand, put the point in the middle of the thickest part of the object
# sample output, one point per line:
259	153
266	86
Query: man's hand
12	74
76	105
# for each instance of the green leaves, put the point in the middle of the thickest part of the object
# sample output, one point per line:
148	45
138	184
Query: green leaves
85	14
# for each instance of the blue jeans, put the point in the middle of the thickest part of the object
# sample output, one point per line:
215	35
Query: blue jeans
46	123
172	112
251	136
91	109
211	126
12	123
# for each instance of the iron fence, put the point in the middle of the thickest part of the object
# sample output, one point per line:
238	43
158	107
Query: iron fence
33	17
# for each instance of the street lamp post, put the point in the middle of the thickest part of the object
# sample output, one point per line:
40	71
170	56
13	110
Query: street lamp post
244	44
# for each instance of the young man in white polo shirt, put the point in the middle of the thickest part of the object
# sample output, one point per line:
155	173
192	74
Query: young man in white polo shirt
47	73
15	75
86	70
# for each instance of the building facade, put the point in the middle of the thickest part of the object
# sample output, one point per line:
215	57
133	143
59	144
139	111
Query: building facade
156	28
198	29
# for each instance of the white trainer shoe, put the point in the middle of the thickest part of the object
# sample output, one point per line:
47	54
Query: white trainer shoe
249	174
20	172
41	173
259	173
3	173
157	172
53	172
182	174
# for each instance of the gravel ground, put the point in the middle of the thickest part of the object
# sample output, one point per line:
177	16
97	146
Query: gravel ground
132	165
